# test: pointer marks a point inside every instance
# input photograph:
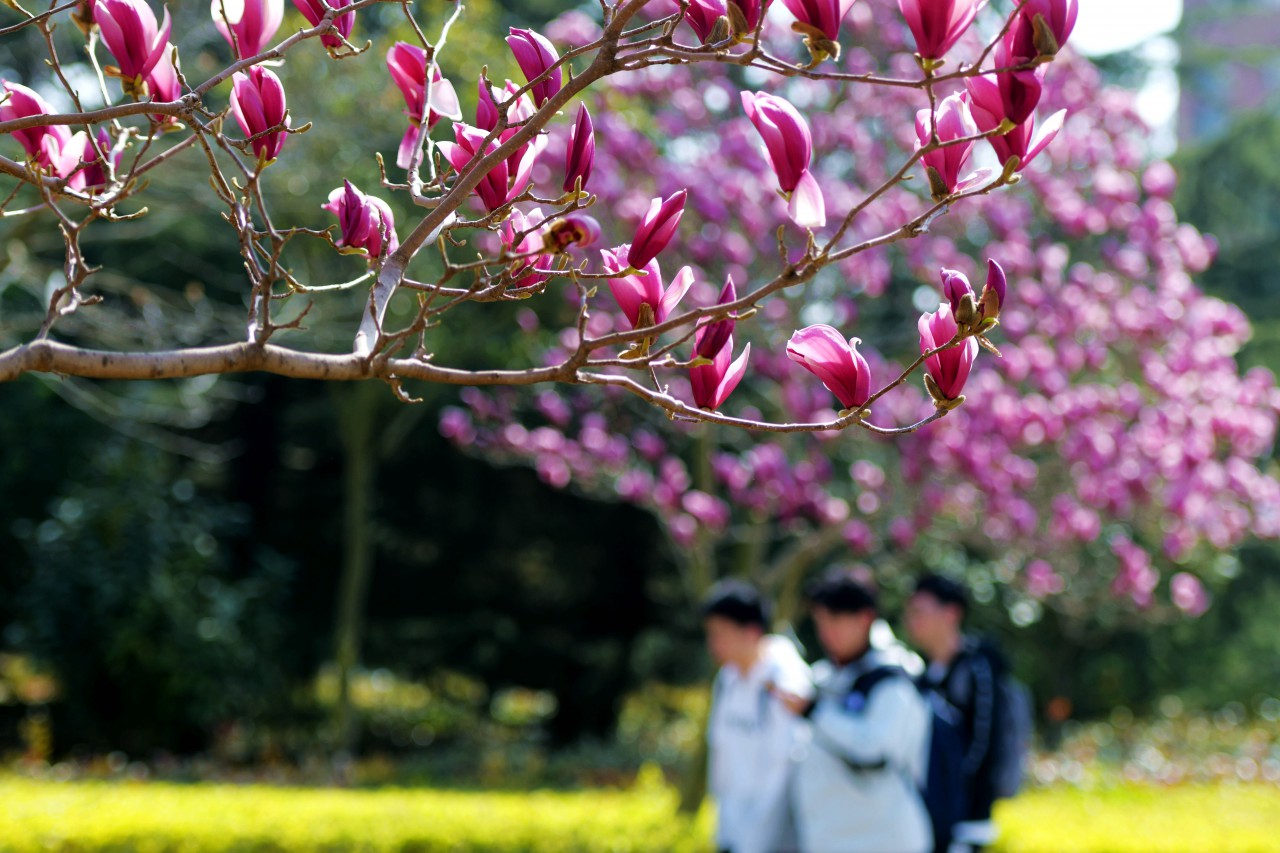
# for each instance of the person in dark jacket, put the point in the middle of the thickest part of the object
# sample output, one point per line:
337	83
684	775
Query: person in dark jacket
964	676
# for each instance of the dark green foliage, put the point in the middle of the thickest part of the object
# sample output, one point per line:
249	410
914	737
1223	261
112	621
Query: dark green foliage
156	637
1229	188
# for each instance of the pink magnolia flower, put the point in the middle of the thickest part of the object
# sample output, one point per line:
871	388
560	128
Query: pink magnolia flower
987	107
752	11
1042	580
827	355
950	367
633	291
656	229
252	23
1019	90
83	15
993	292
713	383
581	153
408	66
518	110
1188	594
713	334
63	156
1057	18
702	16
53	149
787	139
824	15
944	165
573	229
18	101
365	222
522	235
535	55
163	83
505	181
955	286
938	24
257	100
130	32
95	173
315	10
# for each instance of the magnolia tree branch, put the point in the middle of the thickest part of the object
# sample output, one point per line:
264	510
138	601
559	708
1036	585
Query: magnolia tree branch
86	169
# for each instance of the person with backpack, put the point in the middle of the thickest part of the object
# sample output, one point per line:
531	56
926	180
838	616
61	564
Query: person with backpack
994	709
862	757
750	734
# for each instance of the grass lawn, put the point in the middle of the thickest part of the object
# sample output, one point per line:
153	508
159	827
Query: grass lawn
157	818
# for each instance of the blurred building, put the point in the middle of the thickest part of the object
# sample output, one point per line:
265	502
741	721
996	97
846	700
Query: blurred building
1230	64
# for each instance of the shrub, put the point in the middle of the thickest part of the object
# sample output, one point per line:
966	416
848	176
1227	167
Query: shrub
104	817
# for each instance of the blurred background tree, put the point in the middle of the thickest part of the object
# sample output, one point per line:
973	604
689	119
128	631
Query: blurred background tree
172	552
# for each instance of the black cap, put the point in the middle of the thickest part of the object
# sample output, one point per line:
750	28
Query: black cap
737	601
840	591
945	590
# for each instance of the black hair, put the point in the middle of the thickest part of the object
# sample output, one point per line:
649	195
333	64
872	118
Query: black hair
737	601
945	590
840	591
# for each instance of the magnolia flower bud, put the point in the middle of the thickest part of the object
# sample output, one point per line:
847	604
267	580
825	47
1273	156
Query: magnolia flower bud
713	383
820	17
703	16
944	165
535	55
247	25
257	100
949	368
938	24
656	229
713	335
365	223
993	295
315	10
581	152
790	147
130	32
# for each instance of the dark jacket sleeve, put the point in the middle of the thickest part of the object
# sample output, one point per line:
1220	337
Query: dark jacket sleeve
980	710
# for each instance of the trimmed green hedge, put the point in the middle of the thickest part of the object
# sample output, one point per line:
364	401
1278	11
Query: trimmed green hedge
1223	818
105	817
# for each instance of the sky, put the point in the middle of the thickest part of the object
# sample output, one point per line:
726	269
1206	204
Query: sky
1105	26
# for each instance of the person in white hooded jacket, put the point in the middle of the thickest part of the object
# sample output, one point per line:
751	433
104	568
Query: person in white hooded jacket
750	734
864	752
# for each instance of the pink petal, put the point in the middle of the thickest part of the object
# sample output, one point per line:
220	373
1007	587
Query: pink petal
807	208
679	287
734	375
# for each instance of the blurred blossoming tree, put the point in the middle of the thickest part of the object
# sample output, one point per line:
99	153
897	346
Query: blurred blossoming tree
1105	467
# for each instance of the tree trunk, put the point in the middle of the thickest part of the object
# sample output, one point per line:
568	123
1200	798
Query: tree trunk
357	416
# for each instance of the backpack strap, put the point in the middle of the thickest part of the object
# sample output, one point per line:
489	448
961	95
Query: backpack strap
866	682
860	692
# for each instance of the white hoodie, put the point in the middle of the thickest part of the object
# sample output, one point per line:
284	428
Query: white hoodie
840	810
750	738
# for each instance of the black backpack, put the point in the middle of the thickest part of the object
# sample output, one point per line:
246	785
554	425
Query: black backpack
1003	768
1014	726
943	791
